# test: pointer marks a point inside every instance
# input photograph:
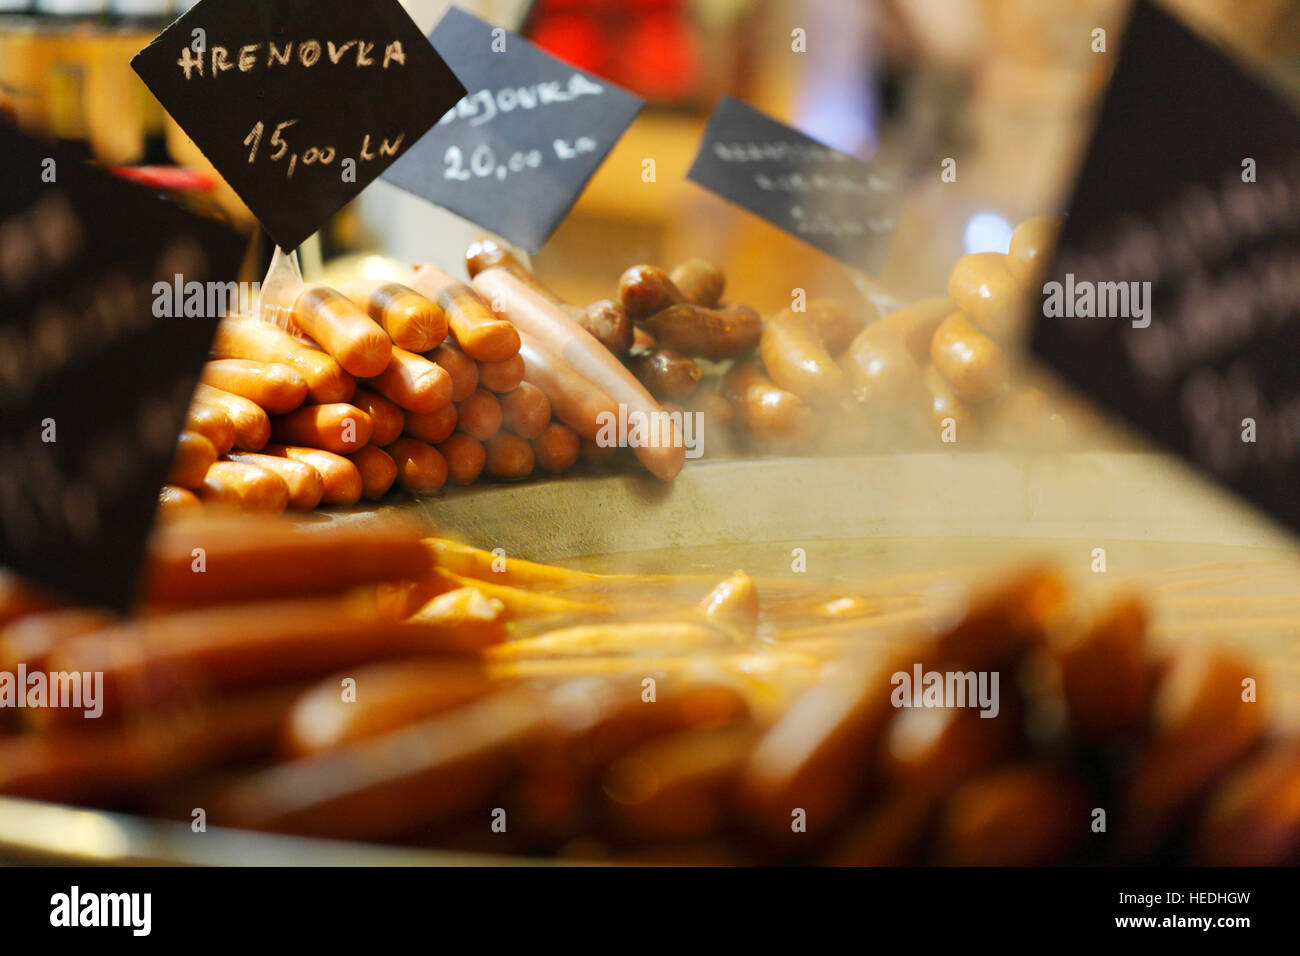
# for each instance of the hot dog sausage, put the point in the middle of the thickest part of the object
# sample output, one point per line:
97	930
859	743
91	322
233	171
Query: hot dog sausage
194	456
246	487
415	383
526	411
355	340
306	488
276	388
378	471
259	342
336	427
342	481
479	333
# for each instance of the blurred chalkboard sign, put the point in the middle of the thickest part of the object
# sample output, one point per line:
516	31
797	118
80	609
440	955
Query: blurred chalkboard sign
517	151
98	362
1174	294
299	104
829	199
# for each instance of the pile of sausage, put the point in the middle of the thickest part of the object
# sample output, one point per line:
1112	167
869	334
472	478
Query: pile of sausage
817	377
537	710
383	384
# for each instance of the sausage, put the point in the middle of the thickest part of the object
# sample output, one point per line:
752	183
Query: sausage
378	471
644	290
983	287
915	325
1106	677
465	457
1031	247
700	282
509	457
526	411
973	364
421	469
884	376
490	254
149	661
387	785
834	323
557	331
1200	726
252	424
556	448
244	486
479	415
386	419
435	427
259	342
306	488
336	427
1007	620
355	340
341	479
28	642
797	360
411	321
609	325
944	407
462	369
1017	816
574	400
479	333
274	387
213	424
926	753
415	383
389	695
595	453
251	559
501	377
770	414
729	331
194	456
1252	818
174	502
667	374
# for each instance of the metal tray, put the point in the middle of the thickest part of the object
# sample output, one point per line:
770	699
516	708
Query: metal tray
998	503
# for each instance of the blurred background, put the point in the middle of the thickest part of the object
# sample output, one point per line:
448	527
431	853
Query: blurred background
1004	87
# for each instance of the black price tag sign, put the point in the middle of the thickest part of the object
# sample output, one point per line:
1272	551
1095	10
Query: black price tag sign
299	104
517	151
829	199
98	362
1174	294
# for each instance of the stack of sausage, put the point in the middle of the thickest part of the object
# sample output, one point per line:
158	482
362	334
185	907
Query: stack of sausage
375	385
534	709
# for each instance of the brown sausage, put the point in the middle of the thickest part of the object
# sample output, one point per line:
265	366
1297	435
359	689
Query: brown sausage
609	324
797	360
983	287
174	502
306	488
213	424
1031	246
947	409
509	457
411	321
700	282
462	369
259	342
526	411
501	377
973	364
884	376
246	487
341	479
915	324
479	415
465	458
1106	677
556	449
489	254
338	428
194	456
644	290
415	383
729	331
421	469
433	428
378	471
479	333
667	374
355	340
770	414
252	424
386	418
276	388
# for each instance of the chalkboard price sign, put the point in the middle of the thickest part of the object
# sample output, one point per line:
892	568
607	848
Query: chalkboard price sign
516	152
95	376
299	104
1174	294
829	199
